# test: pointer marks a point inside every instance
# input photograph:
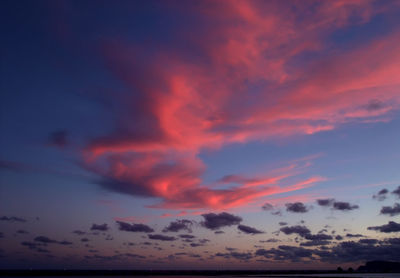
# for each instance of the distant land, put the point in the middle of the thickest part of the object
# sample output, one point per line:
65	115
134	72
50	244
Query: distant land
369	267
380	266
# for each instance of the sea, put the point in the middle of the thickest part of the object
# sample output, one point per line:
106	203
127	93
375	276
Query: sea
332	275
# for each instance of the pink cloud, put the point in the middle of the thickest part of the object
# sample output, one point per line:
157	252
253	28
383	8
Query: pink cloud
245	89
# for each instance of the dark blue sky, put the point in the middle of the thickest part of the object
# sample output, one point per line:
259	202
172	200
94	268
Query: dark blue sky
214	129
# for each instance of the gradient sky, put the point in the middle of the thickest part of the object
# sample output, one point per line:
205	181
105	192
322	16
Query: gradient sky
199	134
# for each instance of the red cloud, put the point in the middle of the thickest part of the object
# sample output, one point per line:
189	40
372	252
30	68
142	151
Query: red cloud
245	87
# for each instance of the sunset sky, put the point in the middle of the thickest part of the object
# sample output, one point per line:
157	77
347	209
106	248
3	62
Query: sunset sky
199	134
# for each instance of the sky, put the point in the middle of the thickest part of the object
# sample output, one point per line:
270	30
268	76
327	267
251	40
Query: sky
199	134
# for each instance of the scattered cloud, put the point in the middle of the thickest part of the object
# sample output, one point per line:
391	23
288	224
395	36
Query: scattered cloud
100	227
392	211
296	207
179	225
136	228
300	230
390	227
344	206
215	221
46	240
336	205
354	235
249	230
325	202
285	253
161	237
187	236
381	195
79	232
12	219
267	207
318	237
397	192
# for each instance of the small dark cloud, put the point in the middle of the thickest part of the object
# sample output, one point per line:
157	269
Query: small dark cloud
392	211
368	241
285	253
336	205
390	227
282	223
136	228
236	255
100	227
300	230
179	225
267	207
241	256
12	219
130	255
84	239
315	242
325	202
161	237
270	240
249	230
30	245
354	235
397	192
297	207
45	240
344	206
58	139
194	244
219	232
1	235
79	233
339	237
381	195
318	237
187	236
215	221
35	246
103	258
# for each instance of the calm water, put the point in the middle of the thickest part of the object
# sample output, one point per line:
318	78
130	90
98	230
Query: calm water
351	275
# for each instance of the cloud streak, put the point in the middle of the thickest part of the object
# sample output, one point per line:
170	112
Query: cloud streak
242	85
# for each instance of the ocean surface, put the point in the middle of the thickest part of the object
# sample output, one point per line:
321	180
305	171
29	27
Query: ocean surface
333	275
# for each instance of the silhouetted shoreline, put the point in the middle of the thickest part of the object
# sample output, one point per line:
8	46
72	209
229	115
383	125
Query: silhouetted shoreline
369	267
37	272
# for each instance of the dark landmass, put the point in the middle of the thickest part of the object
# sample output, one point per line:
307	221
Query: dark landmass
369	267
49	272
380	266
